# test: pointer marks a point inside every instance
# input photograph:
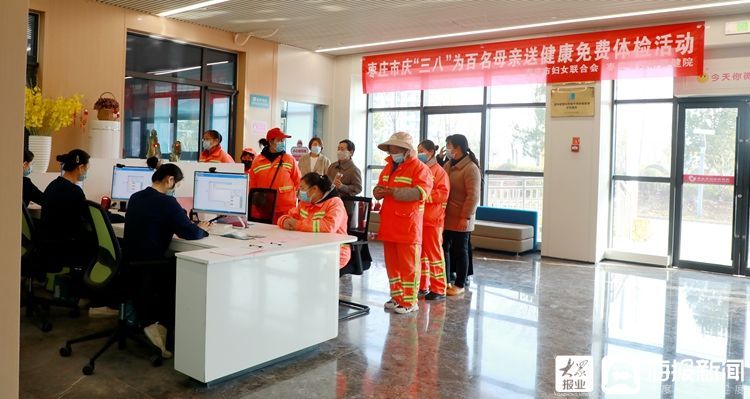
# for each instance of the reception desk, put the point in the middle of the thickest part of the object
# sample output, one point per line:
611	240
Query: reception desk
242	304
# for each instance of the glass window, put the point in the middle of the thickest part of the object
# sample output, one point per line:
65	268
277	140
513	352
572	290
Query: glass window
640	217
32	37
161	57
173	114
383	124
459	96
643	139
518	94
516	192
516	139
644	88
396	99
220	66
440	126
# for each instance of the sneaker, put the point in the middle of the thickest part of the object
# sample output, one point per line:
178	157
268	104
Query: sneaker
422	293
431	296
391	304
157	334
102	312
405	310
454	290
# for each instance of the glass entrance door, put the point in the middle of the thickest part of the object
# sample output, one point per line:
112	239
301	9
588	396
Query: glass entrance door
711	190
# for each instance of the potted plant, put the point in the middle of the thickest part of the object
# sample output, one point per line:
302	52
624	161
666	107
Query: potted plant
108	109
44	116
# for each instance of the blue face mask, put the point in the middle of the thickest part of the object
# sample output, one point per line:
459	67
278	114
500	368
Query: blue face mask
302	195
82	176
423	157
27	172
398	158
170	192
280	146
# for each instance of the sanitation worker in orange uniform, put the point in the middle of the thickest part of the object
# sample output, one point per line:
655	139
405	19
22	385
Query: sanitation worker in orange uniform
433	282
212	151
276	169
320	210
404	185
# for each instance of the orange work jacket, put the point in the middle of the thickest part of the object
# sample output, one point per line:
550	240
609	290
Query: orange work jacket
215	154
401	222
327	216
286	182
437	201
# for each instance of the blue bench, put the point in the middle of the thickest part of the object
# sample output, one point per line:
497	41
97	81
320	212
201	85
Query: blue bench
509	217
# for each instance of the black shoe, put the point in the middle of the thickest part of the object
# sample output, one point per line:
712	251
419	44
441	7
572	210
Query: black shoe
422	293
431	296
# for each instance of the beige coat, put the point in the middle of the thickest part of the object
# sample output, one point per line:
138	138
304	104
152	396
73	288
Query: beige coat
321	167
465	179
351	180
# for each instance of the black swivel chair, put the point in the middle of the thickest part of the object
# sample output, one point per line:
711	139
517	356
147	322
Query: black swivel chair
34	268
262	205
358	211
106	277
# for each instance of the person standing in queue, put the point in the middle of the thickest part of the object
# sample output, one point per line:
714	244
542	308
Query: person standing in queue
212	151
314	161
276	169
432	283
465	182
404	185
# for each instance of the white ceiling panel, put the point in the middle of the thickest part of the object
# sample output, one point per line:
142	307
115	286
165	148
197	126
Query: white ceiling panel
316	24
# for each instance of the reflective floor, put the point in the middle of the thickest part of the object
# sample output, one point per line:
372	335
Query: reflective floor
646	333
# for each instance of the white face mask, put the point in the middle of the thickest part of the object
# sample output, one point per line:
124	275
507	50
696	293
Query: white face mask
343	155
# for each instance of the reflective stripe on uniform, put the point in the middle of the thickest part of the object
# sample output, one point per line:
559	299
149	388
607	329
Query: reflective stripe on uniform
262	168
402	179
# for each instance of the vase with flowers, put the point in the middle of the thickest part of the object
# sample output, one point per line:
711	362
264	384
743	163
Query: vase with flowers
44	116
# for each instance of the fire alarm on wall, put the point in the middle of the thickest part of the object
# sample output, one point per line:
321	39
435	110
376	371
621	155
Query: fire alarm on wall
575	145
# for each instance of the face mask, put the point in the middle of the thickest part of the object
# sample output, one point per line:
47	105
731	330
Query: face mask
82	176
398	158
206	144
423	157
280	146
27	172
343	155
449	154
170	192
315	149
247	164
302	195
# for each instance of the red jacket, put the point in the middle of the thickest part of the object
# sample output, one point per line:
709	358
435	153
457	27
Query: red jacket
401	222
286	183
434	209
328	216
215	154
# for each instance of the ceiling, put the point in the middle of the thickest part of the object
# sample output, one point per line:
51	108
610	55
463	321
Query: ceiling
318	24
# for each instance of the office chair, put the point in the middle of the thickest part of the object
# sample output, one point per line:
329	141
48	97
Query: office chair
33	267
358	211
262	205
105	276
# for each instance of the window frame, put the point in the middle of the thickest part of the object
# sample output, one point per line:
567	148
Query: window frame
205	86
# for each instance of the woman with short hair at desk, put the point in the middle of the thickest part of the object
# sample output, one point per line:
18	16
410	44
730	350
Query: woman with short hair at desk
30	192
320	210
153	218
67	235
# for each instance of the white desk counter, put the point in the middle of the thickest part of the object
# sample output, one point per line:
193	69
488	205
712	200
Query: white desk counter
240	307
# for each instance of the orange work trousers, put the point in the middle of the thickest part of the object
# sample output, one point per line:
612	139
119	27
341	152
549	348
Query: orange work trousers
433	261
402	266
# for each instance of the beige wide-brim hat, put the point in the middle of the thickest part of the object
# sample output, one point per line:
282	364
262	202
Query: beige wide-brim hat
399	139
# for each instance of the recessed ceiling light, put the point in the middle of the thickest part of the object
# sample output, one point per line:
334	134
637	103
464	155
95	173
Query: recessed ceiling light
541	24
218	63
190	8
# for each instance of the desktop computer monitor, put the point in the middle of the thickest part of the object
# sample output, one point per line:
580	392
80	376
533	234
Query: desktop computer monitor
220	193
127	180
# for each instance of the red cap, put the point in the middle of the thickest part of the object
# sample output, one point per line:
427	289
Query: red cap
248	150
276	133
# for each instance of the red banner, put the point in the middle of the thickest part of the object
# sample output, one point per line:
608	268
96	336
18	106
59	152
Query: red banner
708	179
667	50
